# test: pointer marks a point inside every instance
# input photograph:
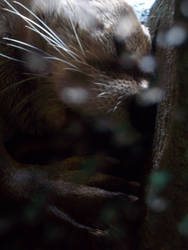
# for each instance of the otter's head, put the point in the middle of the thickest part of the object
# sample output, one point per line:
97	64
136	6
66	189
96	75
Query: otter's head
87	50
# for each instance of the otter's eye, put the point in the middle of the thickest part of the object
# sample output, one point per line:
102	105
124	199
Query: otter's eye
119	45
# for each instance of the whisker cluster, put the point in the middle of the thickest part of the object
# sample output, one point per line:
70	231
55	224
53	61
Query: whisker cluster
25	44
117	92
45	32
75	32
112	91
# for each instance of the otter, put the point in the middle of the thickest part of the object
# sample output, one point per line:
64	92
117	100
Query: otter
66	65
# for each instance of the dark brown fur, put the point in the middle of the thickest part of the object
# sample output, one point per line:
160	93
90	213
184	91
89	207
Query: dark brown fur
36	118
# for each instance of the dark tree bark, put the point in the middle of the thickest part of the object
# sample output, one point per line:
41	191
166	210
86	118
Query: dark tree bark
166	222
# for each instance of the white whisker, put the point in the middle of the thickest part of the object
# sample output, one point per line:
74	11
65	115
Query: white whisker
77	38
115	108
51	37
75	32
11	58
26	44
16	84
10	5
50	32
51	42
19	47
118	103
72	69
103	94
32	25
60	60
35	74
102	85
108	90
48	39
30	46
